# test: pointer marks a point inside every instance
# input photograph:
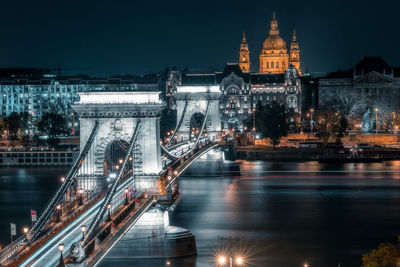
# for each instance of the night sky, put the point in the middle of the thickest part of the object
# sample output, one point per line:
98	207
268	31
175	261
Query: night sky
136	37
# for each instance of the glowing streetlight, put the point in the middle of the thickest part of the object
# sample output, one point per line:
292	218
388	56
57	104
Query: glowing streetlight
311	121
62	179
238	260
80	192
126	190
61	249
83	230
376	120
168	263
25	230
221	260
109	212
169	177
254	119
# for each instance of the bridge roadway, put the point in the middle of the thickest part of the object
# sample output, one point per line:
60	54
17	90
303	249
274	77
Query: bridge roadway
48	253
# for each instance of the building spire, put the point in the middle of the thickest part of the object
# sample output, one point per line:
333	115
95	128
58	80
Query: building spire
294	36
244	55
274	26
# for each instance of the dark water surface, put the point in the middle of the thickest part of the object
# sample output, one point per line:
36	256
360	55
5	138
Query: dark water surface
279	214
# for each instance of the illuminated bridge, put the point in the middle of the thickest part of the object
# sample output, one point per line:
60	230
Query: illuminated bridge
116	198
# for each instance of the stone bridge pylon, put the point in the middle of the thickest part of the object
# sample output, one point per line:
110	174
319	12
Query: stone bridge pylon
193	100
117	114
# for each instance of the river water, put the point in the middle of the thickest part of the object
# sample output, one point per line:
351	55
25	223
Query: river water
274	214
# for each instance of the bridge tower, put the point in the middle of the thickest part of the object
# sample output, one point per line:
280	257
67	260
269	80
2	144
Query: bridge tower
117	113
197	100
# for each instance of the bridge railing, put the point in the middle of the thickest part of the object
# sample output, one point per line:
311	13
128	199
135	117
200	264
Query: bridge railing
178	125
109	243
26	253
99	216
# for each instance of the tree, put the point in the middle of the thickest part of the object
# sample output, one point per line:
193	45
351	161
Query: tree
53	125
13	124
330	124
386	255
3	126
272	121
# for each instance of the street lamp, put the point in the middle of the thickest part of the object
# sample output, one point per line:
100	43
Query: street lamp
62	179
311	121
109	212
222	260
83	230
376	120
126	196
25	230
254	120
58	208
61	249
80	192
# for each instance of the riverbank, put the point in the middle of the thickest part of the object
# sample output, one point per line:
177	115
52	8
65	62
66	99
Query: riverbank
258	152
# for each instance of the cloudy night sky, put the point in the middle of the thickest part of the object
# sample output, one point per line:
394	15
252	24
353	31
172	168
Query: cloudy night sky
136	37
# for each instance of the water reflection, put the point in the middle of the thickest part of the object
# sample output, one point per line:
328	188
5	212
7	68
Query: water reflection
281	213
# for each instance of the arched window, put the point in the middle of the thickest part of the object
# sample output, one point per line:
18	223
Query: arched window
268	65
277	64
272	64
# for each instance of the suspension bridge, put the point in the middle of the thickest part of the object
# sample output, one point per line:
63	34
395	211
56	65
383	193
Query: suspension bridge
116	198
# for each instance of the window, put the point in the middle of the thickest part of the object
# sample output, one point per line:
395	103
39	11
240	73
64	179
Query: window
268	65
272	65
277	64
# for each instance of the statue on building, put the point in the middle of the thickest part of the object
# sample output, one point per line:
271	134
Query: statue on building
366	124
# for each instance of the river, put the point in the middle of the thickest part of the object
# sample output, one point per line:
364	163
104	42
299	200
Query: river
275	214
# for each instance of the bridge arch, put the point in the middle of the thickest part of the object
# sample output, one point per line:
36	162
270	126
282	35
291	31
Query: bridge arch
117	114
191	100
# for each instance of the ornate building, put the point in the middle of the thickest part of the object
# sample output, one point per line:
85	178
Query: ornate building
274	57
371	84
294	58
241	91
244	55
279	80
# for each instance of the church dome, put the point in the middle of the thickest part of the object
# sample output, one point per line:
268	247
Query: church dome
274	42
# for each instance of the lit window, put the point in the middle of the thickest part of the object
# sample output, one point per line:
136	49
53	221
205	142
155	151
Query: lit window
277	64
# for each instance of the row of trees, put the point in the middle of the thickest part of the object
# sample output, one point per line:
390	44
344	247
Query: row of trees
273	122
22	127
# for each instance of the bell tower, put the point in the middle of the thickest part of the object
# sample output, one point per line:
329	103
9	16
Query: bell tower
244	56
294	58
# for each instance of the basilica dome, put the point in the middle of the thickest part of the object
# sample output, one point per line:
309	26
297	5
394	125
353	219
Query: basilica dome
274	42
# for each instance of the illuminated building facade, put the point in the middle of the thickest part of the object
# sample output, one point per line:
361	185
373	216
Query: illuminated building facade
40	94
274	57
244	56
372	84
241	91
